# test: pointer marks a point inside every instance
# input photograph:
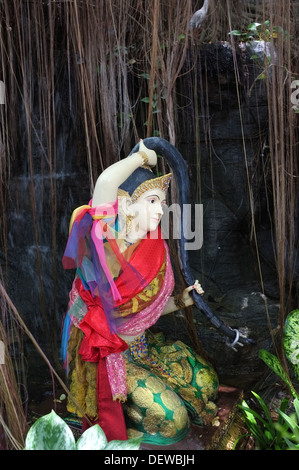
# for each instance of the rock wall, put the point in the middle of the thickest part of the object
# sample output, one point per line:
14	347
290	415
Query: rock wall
226	152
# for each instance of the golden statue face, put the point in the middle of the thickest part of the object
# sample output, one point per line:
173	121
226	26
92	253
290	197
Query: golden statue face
146	212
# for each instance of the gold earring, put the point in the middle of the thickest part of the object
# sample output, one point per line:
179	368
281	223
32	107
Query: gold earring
129	222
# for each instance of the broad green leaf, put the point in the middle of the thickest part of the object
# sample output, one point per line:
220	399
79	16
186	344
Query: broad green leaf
291	340
275	365
50	432
130	444
235	32
253	26
92	439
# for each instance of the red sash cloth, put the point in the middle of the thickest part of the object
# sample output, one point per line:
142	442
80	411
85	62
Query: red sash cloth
99	342
94	348
111	415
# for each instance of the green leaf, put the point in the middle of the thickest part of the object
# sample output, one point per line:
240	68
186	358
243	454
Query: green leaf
253	26
292	446
248	412
145	99
251	415
93	438
283	407
266	411
145	75
130	444
235	32
292	422
50	432
275	365
256	428
296	405
291	340
239	438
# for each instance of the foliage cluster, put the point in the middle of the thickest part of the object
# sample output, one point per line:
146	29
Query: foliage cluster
268	434
50	432
284	433
259	32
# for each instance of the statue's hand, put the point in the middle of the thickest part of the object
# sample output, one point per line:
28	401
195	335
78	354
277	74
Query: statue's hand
196	286
187	299
149	156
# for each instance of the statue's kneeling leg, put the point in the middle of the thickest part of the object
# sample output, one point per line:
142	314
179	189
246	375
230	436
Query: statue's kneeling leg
153	410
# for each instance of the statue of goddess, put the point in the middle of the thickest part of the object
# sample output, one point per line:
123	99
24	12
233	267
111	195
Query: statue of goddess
130	380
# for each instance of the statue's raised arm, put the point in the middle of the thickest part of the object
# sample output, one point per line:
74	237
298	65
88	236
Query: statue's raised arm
106	187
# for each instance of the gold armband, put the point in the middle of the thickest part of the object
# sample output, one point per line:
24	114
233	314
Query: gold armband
144	158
